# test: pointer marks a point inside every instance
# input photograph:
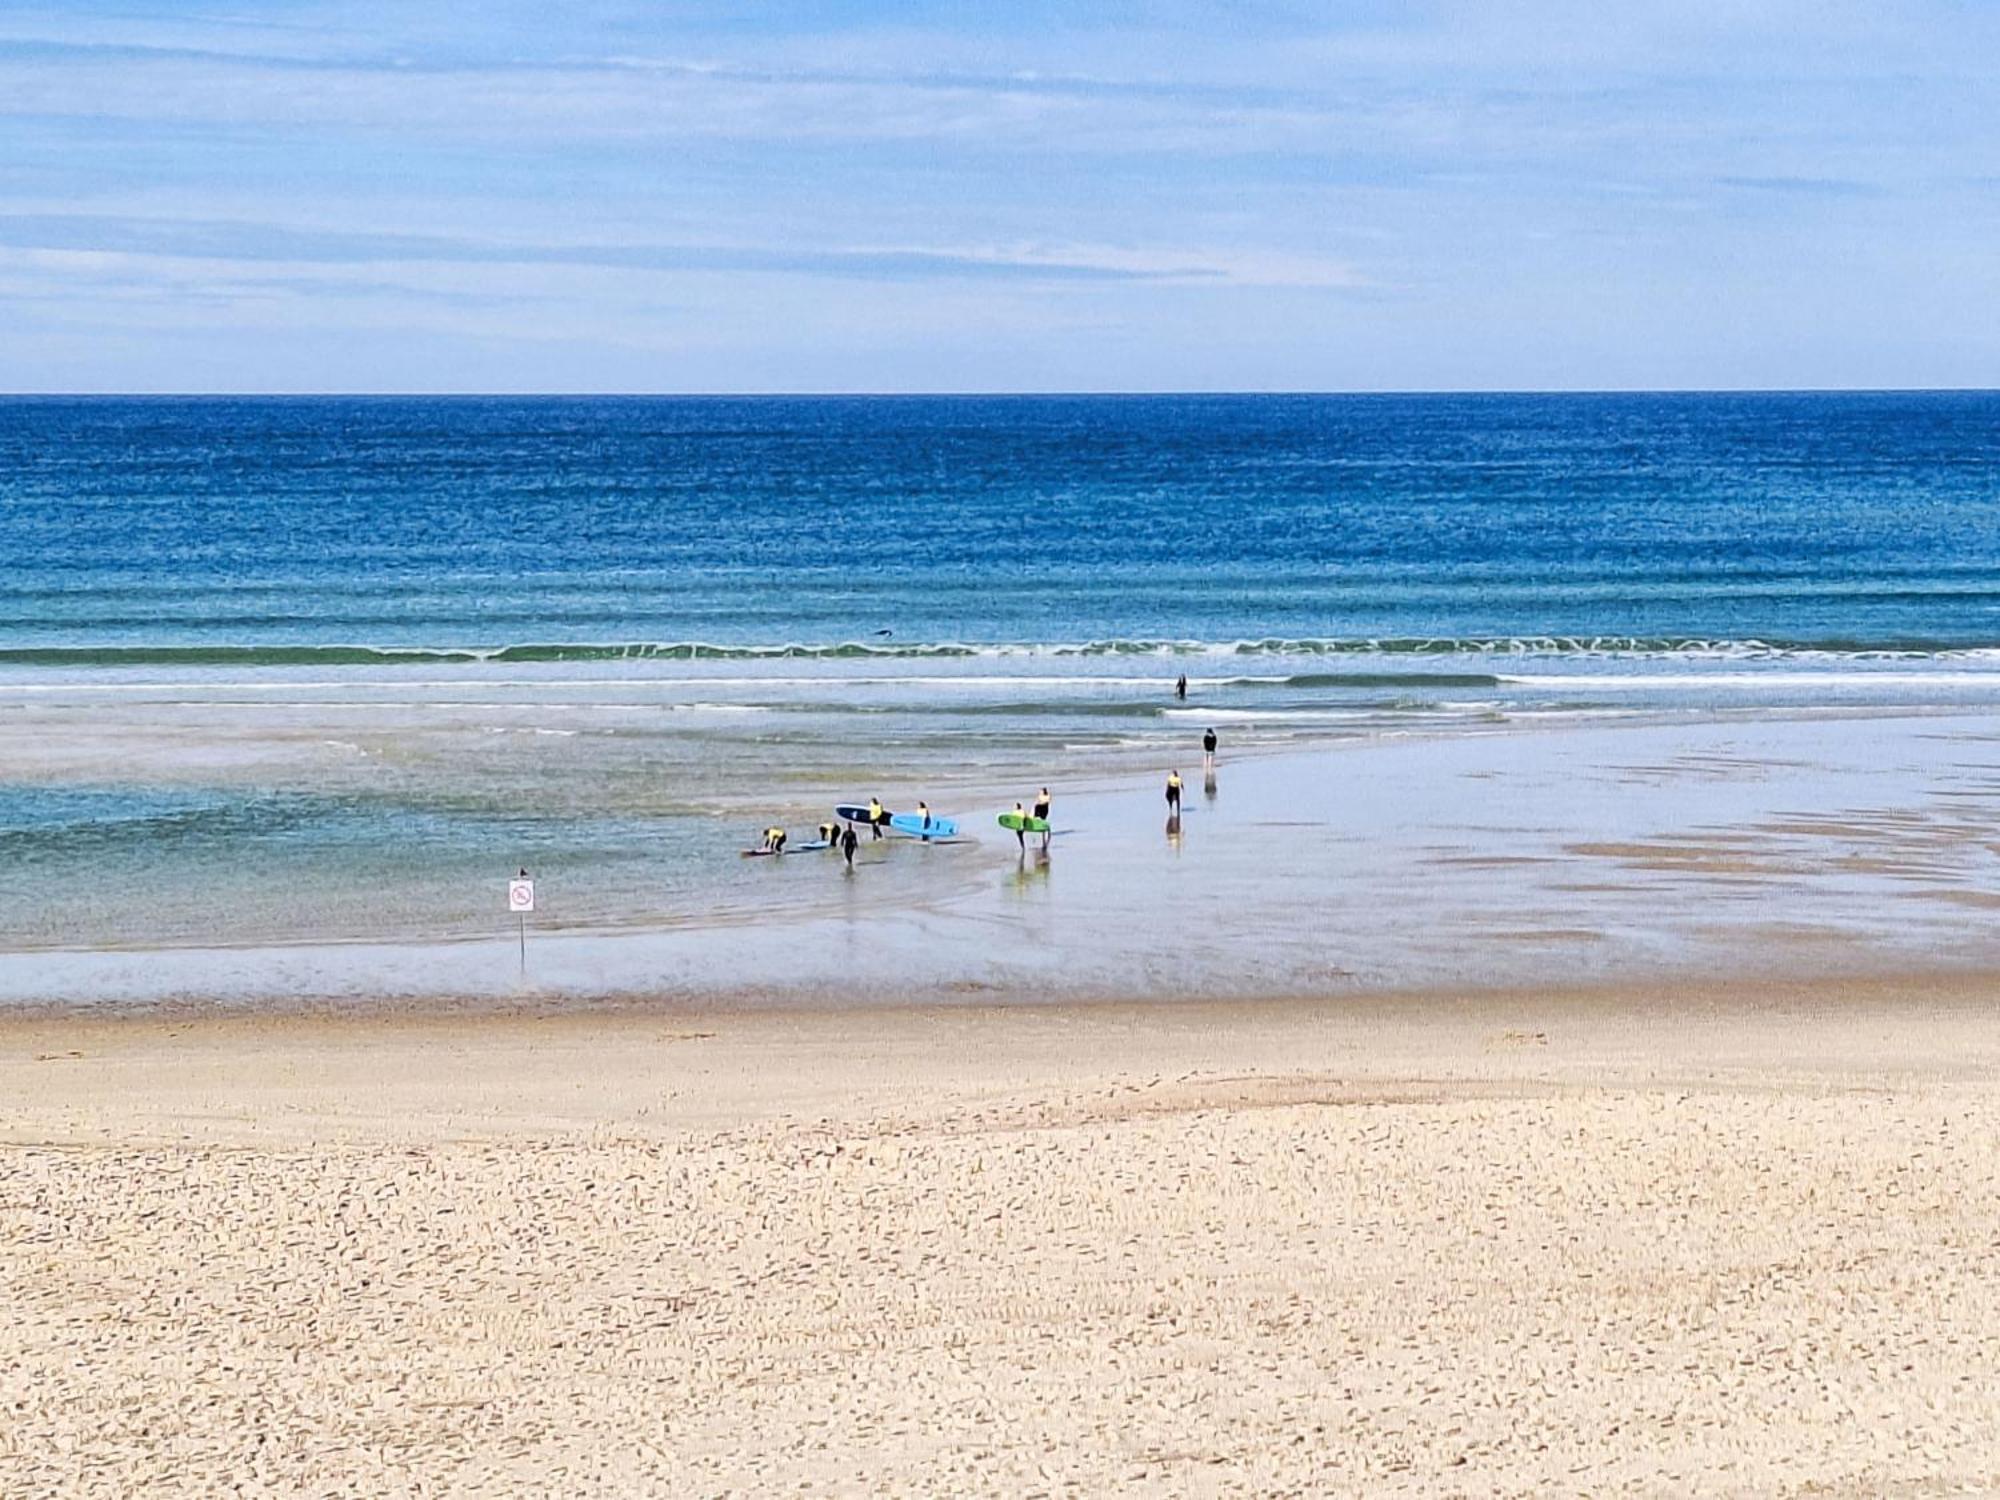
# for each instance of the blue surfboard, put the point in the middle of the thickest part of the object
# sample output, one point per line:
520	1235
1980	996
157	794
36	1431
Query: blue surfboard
913	825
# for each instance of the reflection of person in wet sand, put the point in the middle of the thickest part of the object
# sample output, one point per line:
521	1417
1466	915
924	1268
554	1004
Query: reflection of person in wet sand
1174	828
1033	869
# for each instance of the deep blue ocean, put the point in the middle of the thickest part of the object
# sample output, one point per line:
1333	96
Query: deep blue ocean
165	524
291	669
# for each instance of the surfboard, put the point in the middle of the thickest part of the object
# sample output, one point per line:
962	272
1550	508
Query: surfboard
852	812
1023	823
805	848
913	824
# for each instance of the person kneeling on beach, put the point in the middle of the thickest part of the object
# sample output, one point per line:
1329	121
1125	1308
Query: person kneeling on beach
774	840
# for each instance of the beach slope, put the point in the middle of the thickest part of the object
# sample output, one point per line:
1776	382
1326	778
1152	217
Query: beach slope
1708	1240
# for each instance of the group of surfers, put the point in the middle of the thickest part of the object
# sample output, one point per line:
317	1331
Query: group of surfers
836	834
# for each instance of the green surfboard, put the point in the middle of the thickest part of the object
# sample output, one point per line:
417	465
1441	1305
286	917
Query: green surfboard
1022	823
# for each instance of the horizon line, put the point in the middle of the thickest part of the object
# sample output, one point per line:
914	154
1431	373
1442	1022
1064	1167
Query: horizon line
993	395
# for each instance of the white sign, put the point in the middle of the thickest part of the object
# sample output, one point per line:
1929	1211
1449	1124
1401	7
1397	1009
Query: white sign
520	895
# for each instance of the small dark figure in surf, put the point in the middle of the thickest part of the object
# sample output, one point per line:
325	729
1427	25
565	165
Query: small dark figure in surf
1042	805
1174	793
847	843
1180	687
1208	751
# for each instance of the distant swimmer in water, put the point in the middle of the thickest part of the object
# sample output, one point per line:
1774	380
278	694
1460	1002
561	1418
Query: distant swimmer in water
1180	687
876	816
847	843
1174	793
774	840
1208	751
1042	805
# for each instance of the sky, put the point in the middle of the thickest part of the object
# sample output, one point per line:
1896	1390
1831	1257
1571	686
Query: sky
579	195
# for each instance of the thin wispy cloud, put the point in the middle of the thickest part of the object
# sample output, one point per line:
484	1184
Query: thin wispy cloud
1554	194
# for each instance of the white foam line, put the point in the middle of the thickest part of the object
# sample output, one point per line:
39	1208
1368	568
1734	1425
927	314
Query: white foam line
1982	681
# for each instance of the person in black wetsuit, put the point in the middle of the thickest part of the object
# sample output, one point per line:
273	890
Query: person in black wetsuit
847	843
1208	751
1042	805
1180	687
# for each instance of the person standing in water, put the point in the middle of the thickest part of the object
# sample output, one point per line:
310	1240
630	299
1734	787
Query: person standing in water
1021	827
1208	751
1180	687
876	815
1173	794
1042	804
847	843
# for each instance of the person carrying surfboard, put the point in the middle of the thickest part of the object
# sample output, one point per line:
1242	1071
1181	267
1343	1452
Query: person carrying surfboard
924	812
877	816
1173	792
1021	827
1042	804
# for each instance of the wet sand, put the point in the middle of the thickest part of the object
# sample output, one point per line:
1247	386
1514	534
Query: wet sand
1729	1238
1606	855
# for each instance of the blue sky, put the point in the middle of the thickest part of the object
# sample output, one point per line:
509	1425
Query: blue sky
745	197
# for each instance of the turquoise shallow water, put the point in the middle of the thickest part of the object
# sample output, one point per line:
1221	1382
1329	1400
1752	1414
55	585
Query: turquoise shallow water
295	671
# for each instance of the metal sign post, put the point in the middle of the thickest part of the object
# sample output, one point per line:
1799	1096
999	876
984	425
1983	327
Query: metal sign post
521	901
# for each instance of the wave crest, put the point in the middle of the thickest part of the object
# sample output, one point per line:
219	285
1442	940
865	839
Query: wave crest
288	655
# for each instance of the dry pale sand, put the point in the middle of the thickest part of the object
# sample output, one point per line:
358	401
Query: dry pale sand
1720	1241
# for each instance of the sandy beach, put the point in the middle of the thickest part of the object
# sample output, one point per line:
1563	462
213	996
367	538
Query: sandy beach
1715	1239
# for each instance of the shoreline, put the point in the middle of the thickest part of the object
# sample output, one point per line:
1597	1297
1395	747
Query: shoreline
1799	992
1669	1239
1611	855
